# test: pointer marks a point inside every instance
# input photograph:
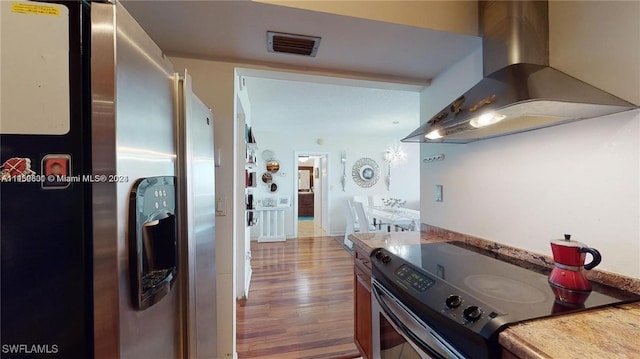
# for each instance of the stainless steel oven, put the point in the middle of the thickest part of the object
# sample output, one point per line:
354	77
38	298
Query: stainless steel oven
400	334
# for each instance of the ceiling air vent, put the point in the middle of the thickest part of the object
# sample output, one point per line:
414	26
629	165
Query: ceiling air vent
292	44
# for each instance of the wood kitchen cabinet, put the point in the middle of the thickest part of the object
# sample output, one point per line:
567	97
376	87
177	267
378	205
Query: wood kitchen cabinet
362	303
305	204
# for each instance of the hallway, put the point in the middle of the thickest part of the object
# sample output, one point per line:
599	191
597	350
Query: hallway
300	303
308	228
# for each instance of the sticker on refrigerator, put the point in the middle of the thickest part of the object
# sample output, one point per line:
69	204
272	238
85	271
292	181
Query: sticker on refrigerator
56	171
35	9
16	168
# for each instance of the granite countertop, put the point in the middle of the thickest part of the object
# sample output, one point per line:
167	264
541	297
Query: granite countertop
598	333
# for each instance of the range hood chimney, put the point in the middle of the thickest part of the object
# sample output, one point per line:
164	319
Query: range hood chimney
520	91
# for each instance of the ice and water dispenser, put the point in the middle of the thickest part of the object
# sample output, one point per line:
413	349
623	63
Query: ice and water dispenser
153	244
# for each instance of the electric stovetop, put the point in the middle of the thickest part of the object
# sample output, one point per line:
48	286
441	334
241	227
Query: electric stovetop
462	286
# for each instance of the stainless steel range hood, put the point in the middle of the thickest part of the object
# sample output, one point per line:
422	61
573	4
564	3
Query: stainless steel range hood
520	91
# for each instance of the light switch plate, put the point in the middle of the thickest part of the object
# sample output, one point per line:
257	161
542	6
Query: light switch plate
217	157
221	206
438	193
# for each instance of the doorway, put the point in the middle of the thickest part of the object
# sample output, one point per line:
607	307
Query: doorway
311	202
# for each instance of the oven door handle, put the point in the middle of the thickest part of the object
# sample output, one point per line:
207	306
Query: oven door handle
436	339
389	313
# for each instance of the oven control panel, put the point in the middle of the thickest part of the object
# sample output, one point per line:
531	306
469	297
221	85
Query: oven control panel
414	279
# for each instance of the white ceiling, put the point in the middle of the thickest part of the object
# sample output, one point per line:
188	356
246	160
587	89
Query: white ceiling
236	31
321	108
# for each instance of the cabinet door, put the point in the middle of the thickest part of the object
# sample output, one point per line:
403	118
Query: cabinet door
506	354
362	312
305	205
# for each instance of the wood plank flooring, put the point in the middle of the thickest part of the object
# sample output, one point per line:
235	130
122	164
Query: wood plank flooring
300	302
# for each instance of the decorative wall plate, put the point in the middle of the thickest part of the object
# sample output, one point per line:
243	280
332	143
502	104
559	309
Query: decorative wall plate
267	155
365	172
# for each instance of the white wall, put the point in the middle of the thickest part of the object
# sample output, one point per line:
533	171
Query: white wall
581	178
588	36
523	190
405	177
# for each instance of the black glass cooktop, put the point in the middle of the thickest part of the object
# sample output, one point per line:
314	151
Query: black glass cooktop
511	290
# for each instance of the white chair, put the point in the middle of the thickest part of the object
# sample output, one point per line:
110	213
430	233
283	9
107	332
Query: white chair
351	223
366	203
362	199
364	225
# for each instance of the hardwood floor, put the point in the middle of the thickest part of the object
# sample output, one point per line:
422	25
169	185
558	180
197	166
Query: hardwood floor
300	302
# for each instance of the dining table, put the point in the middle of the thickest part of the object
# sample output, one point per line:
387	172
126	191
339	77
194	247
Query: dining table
398	217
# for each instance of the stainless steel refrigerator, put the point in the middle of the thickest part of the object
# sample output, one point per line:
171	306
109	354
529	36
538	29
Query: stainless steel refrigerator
107	222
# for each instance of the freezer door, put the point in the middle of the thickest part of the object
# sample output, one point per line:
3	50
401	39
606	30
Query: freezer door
197	186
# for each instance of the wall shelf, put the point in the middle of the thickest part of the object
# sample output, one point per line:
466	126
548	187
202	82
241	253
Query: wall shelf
251	155
251	179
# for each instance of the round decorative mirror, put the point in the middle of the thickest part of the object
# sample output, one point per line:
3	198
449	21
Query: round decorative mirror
273	187
273	166
267	155
267	178
365	172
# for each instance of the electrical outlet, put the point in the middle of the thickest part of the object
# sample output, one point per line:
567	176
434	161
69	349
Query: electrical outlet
433	158
438	193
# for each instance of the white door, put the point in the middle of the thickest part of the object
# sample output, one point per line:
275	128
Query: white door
324	218
317	195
